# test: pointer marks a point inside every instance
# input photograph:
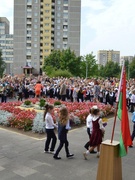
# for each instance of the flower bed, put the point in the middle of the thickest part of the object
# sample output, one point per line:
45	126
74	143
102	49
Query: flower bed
32	120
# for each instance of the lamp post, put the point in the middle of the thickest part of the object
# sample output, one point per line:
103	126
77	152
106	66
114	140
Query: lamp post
86	69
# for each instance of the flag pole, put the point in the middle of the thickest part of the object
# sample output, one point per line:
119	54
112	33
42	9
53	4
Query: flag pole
117	100
114	122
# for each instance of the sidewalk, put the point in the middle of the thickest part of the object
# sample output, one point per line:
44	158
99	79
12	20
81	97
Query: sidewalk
22	158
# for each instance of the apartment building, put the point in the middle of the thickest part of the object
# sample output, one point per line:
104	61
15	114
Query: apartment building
40	26
125	58
105	56
6	44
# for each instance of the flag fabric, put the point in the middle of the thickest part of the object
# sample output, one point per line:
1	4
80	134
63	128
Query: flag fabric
125	136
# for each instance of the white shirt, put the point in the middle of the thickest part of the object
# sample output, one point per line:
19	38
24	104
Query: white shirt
132	98
89	122
49	121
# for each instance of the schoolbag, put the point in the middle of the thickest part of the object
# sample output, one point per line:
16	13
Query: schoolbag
133	117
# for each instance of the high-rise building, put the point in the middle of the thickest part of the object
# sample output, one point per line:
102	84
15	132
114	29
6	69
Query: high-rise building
105	56
41	26
126	58
6	44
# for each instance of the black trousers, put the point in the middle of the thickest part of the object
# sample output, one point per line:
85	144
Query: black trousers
87	145
132	105
61	146
133	133
50	136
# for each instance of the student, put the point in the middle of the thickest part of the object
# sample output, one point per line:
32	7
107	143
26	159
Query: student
63	127
97	133
89	130
133	132
49	125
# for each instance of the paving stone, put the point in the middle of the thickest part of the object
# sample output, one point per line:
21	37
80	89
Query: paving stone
24	171
1	168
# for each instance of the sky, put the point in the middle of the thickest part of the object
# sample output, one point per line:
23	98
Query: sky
105	25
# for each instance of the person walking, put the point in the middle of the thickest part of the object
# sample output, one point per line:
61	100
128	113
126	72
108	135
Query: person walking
133	132
97	133
132	101
63	127
49	126
89	129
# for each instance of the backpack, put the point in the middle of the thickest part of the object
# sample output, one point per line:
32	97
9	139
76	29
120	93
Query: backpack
133	117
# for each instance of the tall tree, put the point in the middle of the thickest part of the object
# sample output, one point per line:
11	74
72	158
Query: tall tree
132	68
111	69
64	60
88	66
2	65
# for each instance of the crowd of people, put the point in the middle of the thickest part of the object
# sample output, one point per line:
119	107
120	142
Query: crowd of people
65	89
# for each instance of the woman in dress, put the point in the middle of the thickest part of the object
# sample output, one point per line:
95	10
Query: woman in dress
97	133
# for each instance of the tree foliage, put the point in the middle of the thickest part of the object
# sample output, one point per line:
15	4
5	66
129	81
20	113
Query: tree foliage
132	69
89	67
111	69
64	60
2	65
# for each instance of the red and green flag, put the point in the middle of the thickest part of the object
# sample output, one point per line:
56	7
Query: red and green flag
125	136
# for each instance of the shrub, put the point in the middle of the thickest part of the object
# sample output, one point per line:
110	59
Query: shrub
61	73
38	124
42	102
27	102
57	103
4	115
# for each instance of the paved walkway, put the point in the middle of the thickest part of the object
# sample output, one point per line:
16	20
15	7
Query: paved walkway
22	158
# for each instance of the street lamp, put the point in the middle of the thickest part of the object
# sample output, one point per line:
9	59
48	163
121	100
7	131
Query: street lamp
86	69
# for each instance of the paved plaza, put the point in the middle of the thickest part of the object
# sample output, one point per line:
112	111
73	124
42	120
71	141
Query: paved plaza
23	158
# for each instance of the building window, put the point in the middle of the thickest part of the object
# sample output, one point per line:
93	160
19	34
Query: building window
65	8
35	38
46	24
35	1
58	46
35	33
58	2
58	21
46	37
35	45
58	27
58	33
65	15
47	11
35	14
46	18
65	1
35	20
35	26
29	1
59	8
47	4
58	15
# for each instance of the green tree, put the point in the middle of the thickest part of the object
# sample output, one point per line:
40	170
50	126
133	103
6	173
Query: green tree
2	65
132	68
89	67
64	60
111	69
127	68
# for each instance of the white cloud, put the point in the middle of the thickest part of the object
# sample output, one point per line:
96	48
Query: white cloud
93	4
6	10
114	28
